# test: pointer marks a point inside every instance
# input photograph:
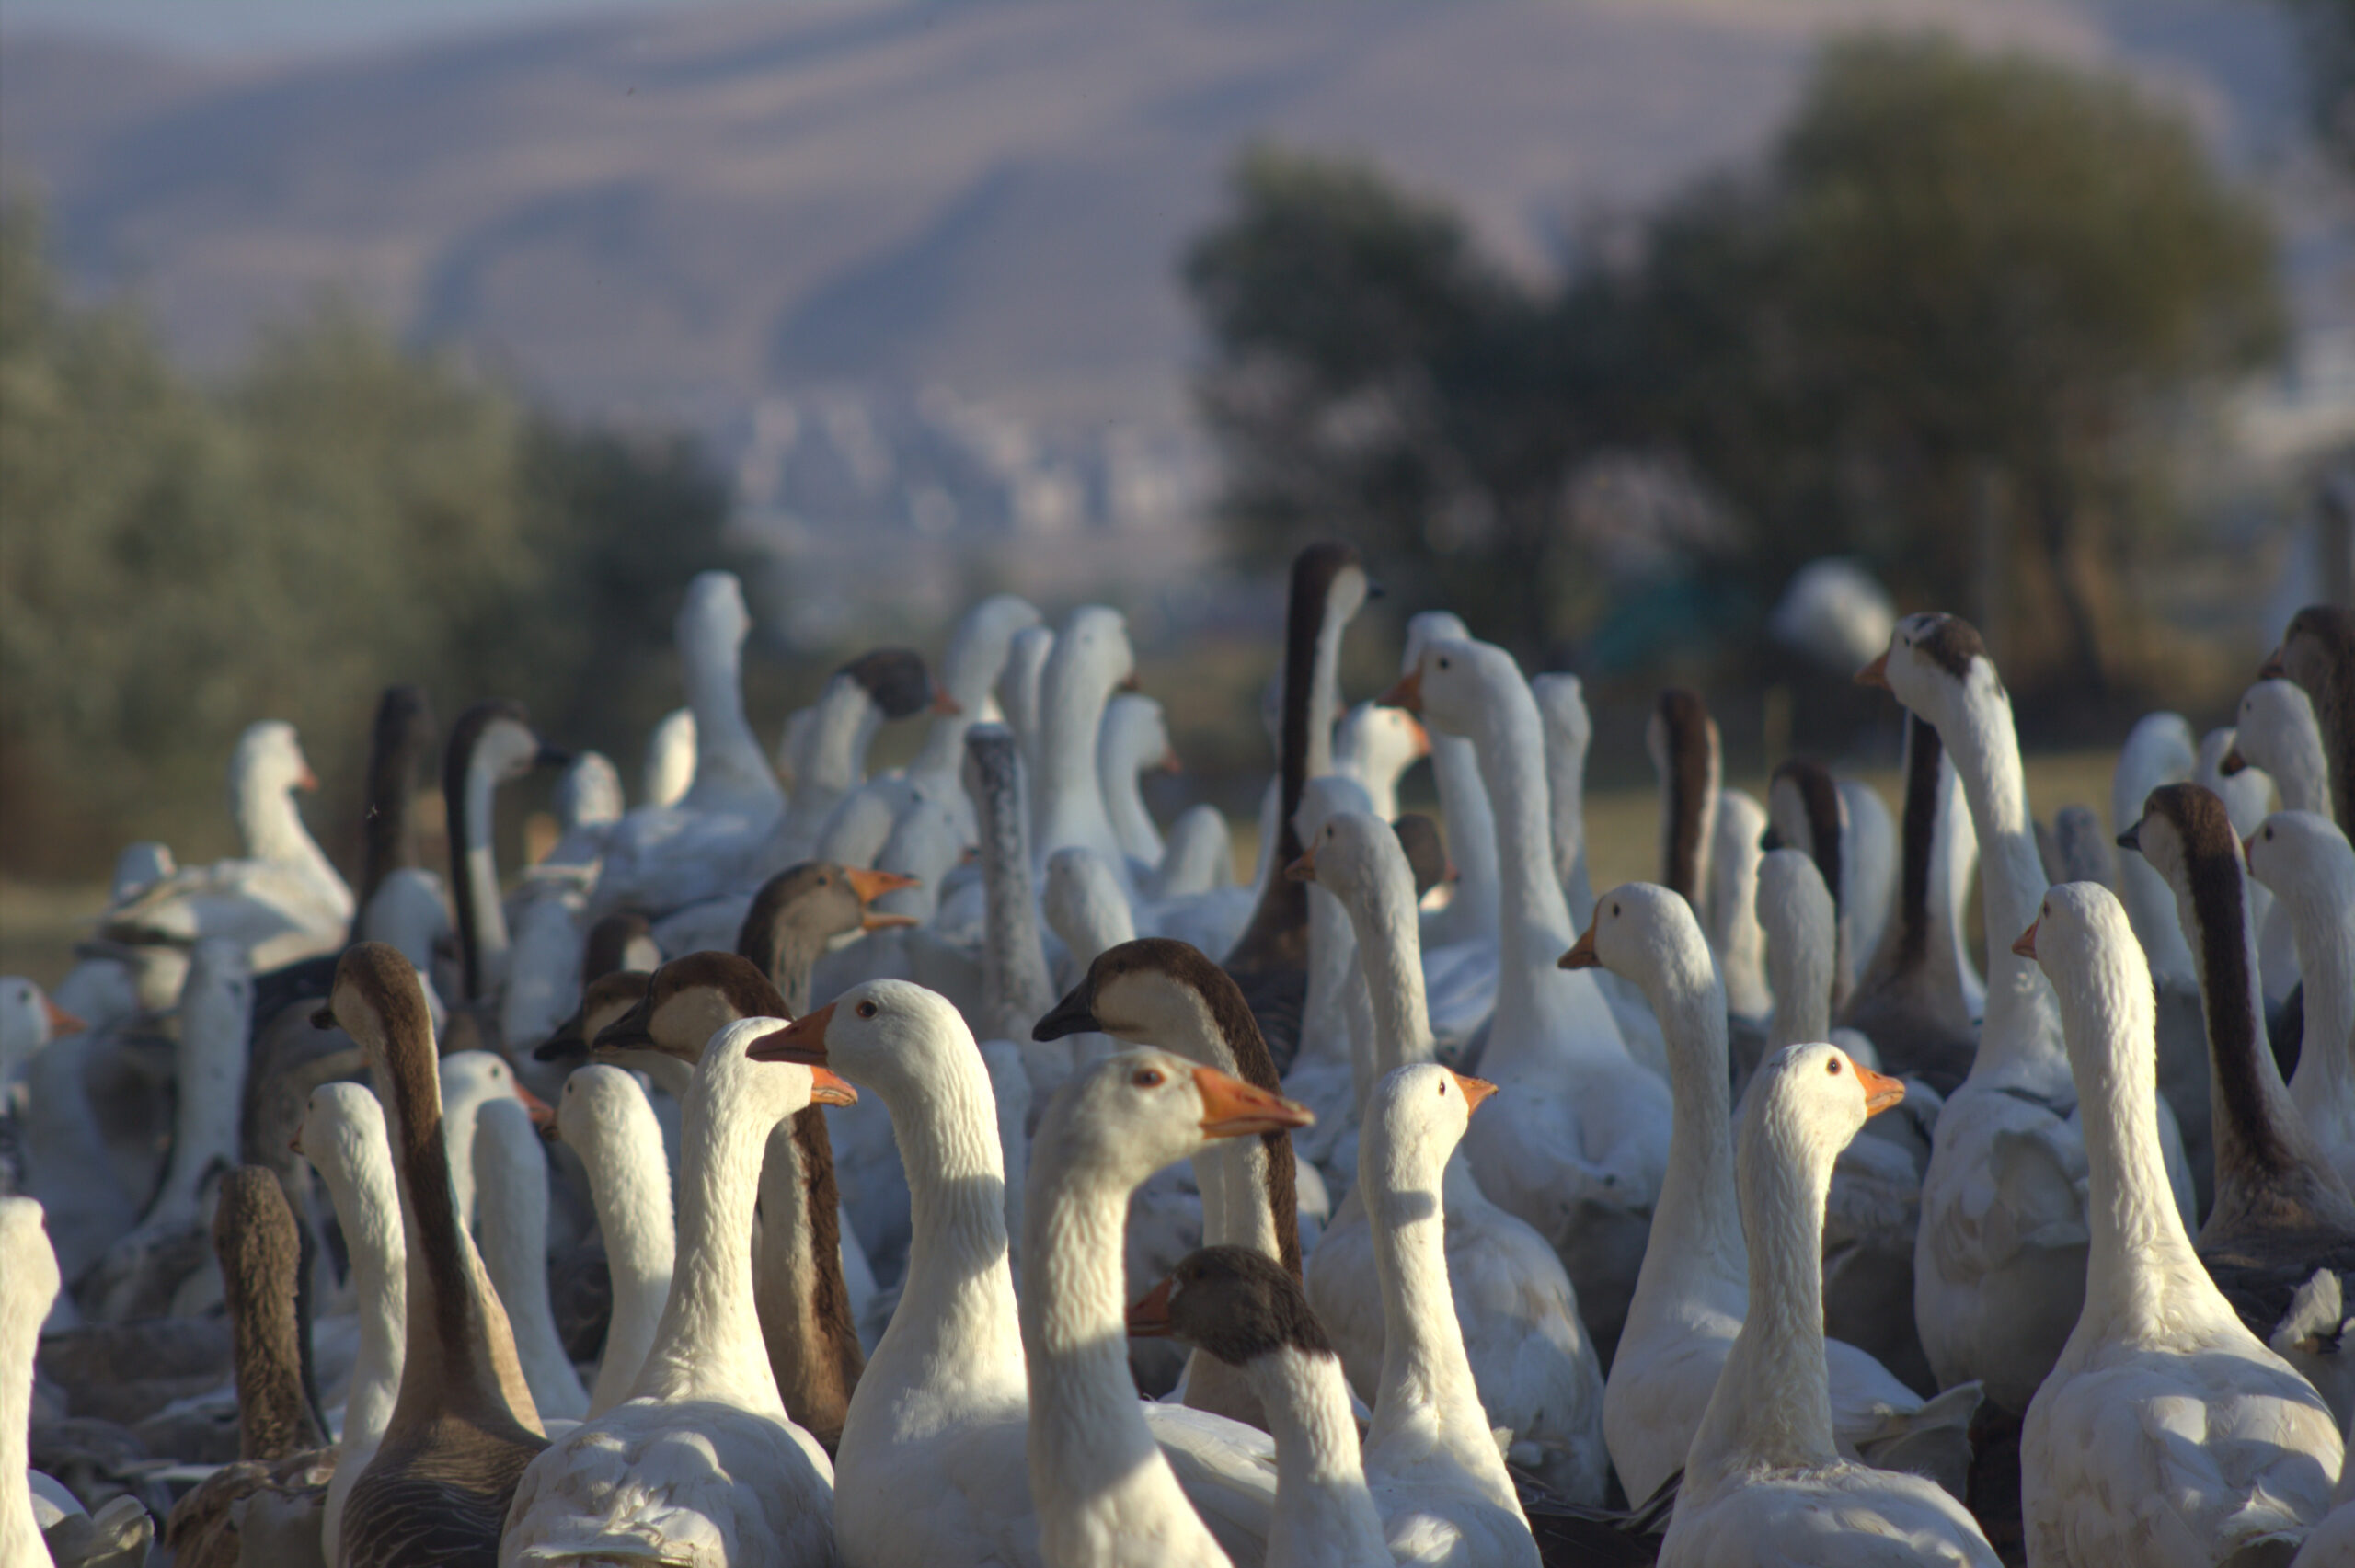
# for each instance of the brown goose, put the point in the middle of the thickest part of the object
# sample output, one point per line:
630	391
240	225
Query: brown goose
1159	992
1269	960
464	1427
804	1303
1682	740
399	743
1911	1002
2280	1239
2318	653
278	1487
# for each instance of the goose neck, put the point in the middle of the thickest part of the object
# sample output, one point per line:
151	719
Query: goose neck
514	1220
1773	1402
1471	823
1565	750
2019	1037
1800	971
1071	719
1321	1494
27	1290
270	825
2322	918
812	1349
629	1185
957	1337
211	1071
2138	1244
368	1212
484	927
1534	920
1015	988
1696	1223
1424	1368
1389	952
709	1345
1087	1434
845	723
1332	966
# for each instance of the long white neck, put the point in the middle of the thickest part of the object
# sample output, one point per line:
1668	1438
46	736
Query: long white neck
2159	752
271	827
1773	1402
1016	989
1389	952
1332	969
1696	1247
1538	1006
1117	773
367	1208
709	1345
1072	695
1089	1448
2020	1039
629	1182
955	1344
2140	1263
2322	915
1736	935
28	1289
2294	758
728	755
515	1215
211	1065
482	875
1798	957
1324	1512
1953	859
1471	824
1568	734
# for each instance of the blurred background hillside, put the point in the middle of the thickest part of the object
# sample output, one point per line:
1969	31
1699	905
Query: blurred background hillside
342	345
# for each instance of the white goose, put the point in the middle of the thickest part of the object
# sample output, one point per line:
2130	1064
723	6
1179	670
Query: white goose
941	1409
28	1282
2276	730
1532	1366
1134	739
284	902
342	1136
1376	746
2304	859
1687	1311
2167	1434
511	1197
604	1117
1578	1144
1999	1261
969	669
1090	661
669	769
1105	1495
1731	924
700	1466
1763	1483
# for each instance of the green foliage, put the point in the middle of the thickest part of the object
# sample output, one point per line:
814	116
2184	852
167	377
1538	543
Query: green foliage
339	515
1956	276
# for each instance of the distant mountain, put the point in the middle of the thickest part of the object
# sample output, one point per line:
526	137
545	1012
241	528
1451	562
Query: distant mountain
675	211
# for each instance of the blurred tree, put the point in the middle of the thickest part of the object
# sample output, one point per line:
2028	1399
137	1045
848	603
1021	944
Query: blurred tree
2327	30
339	515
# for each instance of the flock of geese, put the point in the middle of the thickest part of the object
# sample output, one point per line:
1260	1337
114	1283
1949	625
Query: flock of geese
953	1167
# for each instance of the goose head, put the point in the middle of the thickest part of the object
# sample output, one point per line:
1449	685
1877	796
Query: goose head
1132	1113
2187	835
1159	991
1380	743
764	1092
1797	911
1447	685
1649	934
342	1126
897	681
1135	736
1234	1303
603	1000
591	793
2275	715
1806	1104
2316	651
687	1002
596	1106
268	760
1357	857
2298	854
978	651
713	621
2081	941
495	736
1932	658
806	906
882	1035
1414	1118
378	999
29	1021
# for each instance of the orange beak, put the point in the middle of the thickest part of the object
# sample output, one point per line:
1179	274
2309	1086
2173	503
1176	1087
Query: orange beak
2233	763
1232	1108
1148	1319
1128	682
803	1040
1169	763
2274	667
543	1114
61	1022
1305	868
1876	673
306	779
826	1089
1415	727
2026	944
945	705
1581	955
1881	1090
872	885
1407	694
1474	1091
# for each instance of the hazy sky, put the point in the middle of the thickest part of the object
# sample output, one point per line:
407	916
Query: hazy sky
245	26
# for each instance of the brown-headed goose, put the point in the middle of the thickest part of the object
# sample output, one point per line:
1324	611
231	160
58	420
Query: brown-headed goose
2279	1239
1269	960
804	1300
1104	1495
1683	740
1162	993
267	1507
2317	651
463	1428
2166	1432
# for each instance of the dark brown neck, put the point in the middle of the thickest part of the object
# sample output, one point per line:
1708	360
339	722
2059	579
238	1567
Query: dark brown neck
397	748
1923	754
260	1253
813	1345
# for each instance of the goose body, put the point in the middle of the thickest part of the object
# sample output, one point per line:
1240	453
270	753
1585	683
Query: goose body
700	1466
1764	1482
2166	1433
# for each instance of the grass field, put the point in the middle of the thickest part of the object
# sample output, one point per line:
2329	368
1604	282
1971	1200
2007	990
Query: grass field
40	922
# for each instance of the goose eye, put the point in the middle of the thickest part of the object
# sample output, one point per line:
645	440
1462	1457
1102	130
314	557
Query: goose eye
1147	1078
1444	665
867	1009
1614	911
1832	1067
1442	1089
